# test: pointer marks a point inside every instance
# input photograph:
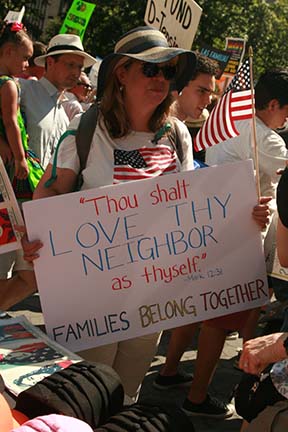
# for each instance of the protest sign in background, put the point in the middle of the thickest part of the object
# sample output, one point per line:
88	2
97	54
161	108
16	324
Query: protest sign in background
178	21
15	16
220	56
236	47
132	259
77	18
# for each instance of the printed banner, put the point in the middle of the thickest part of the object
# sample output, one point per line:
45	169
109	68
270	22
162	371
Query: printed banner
178	21
220	56
10	214
136	258
236	47
27	355
77	18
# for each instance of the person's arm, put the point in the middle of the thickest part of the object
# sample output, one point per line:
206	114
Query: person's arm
5	151
9	108
64	183
282	243
273	154
260	352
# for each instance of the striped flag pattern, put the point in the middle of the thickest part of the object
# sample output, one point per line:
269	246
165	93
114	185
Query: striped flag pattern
143	163
235	105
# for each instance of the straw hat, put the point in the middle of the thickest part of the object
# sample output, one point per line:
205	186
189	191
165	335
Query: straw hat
149	45
65	44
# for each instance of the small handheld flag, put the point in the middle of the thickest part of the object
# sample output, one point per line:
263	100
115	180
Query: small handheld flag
235	104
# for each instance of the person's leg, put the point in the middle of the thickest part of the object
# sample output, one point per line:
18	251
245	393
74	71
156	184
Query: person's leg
210	344
7	261
198	402
17	288
133	360
248	331
180	338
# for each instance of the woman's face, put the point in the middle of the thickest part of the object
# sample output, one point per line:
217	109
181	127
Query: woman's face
140	90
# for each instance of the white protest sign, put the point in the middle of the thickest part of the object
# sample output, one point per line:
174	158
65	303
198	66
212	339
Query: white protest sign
177	20
15	16
10	214
135	258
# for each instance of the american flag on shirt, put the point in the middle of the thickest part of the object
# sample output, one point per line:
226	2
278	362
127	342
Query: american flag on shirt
143	163
235	104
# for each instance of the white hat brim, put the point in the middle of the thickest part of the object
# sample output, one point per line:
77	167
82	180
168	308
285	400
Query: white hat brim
88	59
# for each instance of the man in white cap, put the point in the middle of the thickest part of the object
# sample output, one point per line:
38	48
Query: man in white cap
41	101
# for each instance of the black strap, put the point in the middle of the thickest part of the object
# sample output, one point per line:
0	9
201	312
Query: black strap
85	133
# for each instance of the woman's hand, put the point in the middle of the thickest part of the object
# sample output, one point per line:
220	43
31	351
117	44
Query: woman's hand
258	353
30	248
21	169
261	212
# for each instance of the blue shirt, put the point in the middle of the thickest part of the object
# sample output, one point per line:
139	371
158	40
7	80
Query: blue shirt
45	116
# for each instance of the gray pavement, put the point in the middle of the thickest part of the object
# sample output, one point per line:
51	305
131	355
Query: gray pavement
225	378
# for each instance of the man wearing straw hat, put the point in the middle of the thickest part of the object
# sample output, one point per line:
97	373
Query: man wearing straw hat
41	101
46	121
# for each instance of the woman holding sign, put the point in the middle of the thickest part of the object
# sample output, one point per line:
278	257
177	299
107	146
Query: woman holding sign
134	138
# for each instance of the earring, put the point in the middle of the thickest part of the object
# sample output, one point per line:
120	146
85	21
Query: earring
121	88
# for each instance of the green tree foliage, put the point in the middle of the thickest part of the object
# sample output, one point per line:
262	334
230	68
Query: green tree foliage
110	19
263	23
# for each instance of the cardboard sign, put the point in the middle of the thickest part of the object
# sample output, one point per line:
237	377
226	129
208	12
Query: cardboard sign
143	256
177	20
236	47
10	214
220	56
15	16
27	355
77	18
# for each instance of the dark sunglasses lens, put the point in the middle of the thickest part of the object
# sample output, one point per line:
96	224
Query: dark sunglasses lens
169	72
150	70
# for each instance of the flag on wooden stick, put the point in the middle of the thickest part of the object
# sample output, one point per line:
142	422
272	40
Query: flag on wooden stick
235	105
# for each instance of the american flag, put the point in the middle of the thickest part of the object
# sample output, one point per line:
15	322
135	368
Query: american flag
143	163
235	104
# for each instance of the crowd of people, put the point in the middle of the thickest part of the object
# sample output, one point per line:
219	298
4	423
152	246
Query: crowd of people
142	87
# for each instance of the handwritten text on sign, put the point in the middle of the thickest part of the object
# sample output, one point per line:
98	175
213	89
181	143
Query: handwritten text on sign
126	260
177	20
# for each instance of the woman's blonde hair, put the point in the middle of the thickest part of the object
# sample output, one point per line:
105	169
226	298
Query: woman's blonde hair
112	108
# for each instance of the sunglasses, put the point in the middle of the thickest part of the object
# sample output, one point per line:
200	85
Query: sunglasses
87	86
151	70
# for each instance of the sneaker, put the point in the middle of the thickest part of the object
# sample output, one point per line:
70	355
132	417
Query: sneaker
163	382
232	335
211	408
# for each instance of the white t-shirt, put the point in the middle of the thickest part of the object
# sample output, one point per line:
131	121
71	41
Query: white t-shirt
132	157
272	153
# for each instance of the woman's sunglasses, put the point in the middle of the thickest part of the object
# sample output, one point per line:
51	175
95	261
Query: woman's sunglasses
151	70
